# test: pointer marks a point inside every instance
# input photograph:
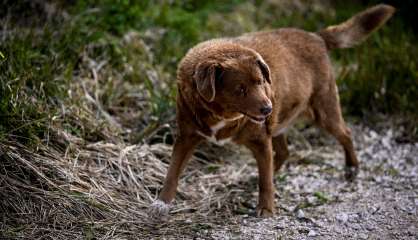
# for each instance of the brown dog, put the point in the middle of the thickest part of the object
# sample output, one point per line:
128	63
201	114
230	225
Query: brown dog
251	88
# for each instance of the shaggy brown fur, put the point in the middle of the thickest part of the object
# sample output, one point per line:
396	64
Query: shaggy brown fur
251	88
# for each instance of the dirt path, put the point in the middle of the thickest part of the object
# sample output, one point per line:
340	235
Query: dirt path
313	199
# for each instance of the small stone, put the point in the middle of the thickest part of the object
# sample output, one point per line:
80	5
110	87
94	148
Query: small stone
373	134
355	226
291	208
312	233
411	231
362	236
300	214
354	217
370	227
311	200
378	179
280	227
374	210
342	217
386	142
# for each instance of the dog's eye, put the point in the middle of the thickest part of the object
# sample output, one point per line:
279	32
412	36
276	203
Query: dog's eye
241	91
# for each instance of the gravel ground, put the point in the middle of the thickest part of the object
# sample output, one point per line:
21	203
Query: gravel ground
381	204
313	199
217	193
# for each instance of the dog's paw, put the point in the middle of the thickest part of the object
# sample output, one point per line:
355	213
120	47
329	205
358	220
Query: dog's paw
158	211
264	212
351	173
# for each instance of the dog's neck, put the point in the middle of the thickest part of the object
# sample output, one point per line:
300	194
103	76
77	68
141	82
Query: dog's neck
209	117
216	113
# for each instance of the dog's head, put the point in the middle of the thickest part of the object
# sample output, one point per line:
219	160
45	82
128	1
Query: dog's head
236	83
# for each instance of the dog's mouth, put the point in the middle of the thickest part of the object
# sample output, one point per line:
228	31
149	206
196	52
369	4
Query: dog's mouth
256	119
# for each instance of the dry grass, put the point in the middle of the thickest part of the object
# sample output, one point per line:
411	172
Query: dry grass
103	189
69	187
72	188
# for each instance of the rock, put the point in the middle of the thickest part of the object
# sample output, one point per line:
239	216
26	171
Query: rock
355	226
386	142
354	217
312	233
342	217
300	214
290	208
373	134
362	236
311	200
280	226
374	210
370	227
411	231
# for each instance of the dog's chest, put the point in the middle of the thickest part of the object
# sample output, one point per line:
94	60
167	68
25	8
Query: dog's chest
221	132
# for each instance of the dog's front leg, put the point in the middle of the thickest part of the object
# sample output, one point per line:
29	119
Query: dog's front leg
262	150
182	151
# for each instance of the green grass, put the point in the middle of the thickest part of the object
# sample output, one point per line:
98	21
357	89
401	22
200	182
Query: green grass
385	78
42	62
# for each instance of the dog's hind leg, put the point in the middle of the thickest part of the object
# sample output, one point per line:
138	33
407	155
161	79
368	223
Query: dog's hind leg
329	117
281	151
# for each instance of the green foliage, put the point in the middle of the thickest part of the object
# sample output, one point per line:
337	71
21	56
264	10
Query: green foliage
41	56
381	74
28	84
386	75
322	198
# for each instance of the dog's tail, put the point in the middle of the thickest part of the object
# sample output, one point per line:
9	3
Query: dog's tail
358	28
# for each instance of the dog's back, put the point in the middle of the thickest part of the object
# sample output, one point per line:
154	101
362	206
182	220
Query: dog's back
299	61
299	66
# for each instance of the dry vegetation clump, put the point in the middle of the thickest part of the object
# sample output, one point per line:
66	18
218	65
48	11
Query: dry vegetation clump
103	158
85	178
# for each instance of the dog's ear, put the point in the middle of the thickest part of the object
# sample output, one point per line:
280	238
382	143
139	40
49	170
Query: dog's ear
205	76
265	70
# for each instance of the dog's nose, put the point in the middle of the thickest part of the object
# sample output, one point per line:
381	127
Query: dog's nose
266	110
